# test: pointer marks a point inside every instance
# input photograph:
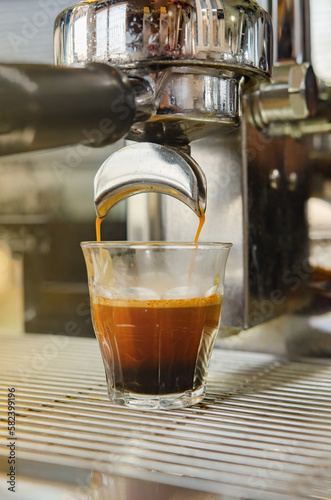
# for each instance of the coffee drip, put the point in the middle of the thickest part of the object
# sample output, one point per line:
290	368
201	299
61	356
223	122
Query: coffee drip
202	219
149	167
156	346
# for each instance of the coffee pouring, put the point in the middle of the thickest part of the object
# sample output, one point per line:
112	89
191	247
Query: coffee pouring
207	81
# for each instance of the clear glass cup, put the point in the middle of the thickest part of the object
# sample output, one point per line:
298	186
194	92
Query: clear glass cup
156	310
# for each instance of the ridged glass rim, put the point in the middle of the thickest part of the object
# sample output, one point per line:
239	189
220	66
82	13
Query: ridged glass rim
153	244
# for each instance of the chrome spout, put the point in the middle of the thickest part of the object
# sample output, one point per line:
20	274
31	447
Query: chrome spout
149	167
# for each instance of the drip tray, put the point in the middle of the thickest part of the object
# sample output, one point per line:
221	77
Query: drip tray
263	431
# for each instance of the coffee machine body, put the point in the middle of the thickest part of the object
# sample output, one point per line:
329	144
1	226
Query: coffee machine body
195	60
226	90
205	68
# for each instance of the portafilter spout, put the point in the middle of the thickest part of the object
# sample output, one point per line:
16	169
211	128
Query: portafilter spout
149	167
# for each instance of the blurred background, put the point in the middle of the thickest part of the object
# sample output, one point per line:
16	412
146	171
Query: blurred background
46	203
46	198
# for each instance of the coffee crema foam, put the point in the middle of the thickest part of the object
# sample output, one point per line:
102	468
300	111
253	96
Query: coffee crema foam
215	299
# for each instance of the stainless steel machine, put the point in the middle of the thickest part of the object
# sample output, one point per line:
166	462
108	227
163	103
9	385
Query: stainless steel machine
197	78
225	90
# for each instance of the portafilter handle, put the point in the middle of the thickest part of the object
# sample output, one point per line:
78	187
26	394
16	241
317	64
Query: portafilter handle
45	106
149	167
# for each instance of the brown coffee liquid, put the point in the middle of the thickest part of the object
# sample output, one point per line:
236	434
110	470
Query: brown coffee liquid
98	228
157	346
202	219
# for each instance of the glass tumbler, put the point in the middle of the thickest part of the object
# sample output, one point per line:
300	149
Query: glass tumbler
156	310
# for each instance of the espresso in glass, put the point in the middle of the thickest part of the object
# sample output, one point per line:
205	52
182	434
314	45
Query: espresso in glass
156	311
157	347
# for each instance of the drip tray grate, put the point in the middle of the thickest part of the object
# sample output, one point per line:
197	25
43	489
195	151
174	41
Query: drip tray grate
263	431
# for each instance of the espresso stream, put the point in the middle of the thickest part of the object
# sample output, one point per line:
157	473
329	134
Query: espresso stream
156	346
202	219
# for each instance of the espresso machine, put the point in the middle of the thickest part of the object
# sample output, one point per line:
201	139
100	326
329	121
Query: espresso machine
219	88
225	92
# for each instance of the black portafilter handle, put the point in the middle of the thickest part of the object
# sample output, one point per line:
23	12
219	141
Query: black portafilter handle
45	106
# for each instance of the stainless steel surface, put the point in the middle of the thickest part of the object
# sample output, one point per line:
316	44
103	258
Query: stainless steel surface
256	198
263	431
228	34
197	55
300	39
190	103
283	107
257	186
295	22
291	21
46	107
153	168
292	96
305	33
318	123
221	158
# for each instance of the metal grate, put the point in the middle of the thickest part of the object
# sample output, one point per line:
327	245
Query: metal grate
263	432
